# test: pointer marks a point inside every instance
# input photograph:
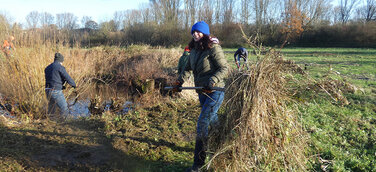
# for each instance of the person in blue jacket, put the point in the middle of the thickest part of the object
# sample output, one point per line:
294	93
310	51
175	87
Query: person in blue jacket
56	76
241	53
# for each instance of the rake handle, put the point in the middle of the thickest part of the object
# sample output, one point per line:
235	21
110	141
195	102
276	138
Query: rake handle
195	88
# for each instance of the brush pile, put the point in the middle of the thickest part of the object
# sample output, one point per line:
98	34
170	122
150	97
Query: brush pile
335	89
260	130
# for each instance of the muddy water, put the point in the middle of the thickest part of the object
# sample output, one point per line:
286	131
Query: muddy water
105	92
81	108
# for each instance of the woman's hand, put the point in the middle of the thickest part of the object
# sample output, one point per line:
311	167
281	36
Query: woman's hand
176	86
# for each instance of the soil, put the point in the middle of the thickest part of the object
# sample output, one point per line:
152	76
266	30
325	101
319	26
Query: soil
69	145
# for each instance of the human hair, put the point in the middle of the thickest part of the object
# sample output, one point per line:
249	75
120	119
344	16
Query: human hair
203	44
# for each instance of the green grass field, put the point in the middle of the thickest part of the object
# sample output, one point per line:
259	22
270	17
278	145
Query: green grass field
343	137
356	65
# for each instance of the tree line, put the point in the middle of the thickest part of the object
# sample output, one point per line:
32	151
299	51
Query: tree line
350	23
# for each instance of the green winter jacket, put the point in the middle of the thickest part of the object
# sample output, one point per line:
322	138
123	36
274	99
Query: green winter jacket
182	62
206	65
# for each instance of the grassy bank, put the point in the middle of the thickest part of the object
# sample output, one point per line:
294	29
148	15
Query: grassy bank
342	136
159	134
155	138
155	135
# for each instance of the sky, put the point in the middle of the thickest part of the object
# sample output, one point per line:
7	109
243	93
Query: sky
99	10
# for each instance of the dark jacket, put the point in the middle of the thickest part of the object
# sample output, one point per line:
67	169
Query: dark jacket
56	76
243	52
208	65
182	62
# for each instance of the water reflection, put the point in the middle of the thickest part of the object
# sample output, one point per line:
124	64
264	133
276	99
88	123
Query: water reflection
81	108
7	117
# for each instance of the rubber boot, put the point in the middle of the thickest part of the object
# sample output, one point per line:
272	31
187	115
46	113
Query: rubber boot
199	155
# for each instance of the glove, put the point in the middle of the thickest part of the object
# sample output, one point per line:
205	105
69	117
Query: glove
176	86
237	64
209	87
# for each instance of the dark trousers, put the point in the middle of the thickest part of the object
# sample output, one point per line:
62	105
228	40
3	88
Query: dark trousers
210	104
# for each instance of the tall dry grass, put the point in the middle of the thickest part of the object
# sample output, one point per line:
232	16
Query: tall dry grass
22	77
96	71
260	130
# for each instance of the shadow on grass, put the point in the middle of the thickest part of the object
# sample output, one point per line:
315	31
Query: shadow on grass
90	150
160	142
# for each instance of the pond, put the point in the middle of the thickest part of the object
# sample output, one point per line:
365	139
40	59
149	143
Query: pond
78	109
82	107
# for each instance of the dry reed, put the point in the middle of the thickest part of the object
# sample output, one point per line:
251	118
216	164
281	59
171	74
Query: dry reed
22	75
260	130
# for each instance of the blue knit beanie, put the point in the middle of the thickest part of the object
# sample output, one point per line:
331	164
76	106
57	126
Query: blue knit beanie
202	27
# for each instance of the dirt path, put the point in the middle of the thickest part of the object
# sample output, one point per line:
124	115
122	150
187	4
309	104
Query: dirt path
156	138
54	146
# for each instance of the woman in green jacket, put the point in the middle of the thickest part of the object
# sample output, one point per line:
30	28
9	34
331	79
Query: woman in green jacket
209	67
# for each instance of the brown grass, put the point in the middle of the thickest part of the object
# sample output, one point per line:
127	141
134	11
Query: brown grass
261	131
103	71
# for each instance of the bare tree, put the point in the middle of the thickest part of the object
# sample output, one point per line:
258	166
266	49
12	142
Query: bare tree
218	11
91	24
146	13
345	9
228	11
109	26
313	10
245	6
205	11
132	17
367	12
66	21
261	8
156	12
118	19
84	20
33	19
169	9
46	19
186	14
190	8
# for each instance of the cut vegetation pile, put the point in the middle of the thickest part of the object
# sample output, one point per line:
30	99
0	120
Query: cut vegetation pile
260	130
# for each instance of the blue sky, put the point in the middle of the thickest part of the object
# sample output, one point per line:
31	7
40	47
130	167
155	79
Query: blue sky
99	10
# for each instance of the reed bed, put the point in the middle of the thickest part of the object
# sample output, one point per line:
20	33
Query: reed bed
95	71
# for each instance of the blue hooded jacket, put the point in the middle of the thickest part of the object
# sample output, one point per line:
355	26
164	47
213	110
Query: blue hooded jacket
56	76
